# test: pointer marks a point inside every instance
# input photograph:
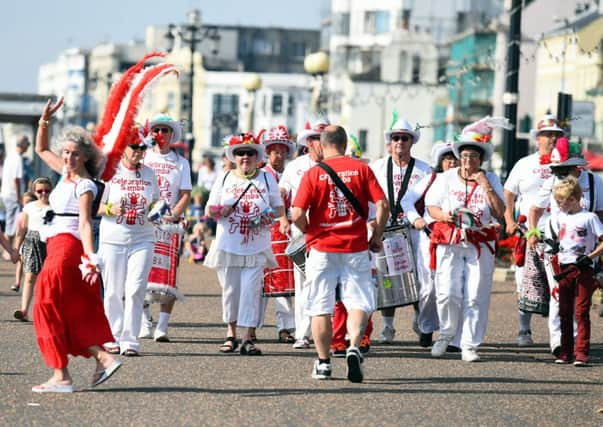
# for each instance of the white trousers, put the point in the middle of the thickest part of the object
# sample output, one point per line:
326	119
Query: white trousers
284	312
125	273
428	311
241	292
463	285
302	318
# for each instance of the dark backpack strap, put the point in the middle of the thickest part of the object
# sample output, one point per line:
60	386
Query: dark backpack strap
591	191
345	190
224	179
100	189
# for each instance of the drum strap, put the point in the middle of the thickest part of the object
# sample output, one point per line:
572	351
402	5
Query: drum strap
591	191
395	207
345	190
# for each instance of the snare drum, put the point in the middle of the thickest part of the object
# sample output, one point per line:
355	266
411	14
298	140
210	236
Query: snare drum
279	282
396	269
296	251
534	294
163	277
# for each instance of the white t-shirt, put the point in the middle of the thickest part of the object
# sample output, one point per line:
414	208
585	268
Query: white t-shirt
206	177
525	180
293	173
379	167
173	174
35	215
448	192
578	235
136	192
544	198
412	196
65	198
13	169
235	233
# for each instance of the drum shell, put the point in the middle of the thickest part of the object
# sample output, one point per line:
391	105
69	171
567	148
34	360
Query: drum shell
296	251
398	289
279	281
534	293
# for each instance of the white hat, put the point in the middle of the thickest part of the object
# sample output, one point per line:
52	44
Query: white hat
279	135
401	126
244	140
314	129
479	134
439	149
548	122
164	119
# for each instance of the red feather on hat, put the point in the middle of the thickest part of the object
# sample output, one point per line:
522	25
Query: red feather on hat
113	132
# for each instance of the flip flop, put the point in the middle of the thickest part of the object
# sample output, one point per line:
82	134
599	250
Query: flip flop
20	315
106	373
53	388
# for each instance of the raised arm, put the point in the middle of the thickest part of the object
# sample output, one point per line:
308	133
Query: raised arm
53	161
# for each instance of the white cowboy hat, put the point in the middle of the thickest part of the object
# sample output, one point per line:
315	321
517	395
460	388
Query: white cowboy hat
164	119
312	129
279	135
479	134
402	126
439	149
548	122
567	153
244	140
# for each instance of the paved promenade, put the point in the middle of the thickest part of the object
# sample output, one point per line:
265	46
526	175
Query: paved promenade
188	382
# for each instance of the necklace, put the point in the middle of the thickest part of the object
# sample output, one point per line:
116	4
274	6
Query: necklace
247	175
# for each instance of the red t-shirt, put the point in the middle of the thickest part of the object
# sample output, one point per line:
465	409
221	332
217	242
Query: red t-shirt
333	223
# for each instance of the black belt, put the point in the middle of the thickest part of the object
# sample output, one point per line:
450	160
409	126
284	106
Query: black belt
50	214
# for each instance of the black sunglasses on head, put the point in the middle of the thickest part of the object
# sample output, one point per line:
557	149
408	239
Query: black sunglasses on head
403	138
138	147
242	153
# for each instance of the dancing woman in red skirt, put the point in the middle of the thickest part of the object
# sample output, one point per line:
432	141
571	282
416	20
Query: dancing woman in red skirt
68	310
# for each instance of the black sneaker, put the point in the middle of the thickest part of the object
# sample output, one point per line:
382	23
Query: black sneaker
353	359
556	351
425	340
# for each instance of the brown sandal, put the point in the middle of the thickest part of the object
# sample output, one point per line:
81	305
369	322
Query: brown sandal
285	337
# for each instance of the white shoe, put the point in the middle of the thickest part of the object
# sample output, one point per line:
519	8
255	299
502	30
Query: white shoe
146	331
321	371
470	355
302	343
439	347
387	335
524	339
160	336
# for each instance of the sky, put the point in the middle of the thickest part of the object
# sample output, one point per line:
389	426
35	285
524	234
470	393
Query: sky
34	32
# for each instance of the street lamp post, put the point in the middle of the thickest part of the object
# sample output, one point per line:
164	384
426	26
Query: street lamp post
317	64
192	34
252	83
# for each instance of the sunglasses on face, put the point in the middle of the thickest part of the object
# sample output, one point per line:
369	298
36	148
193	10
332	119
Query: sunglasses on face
138	147
43	191
162	130
469	156
243	153
561	172
403	138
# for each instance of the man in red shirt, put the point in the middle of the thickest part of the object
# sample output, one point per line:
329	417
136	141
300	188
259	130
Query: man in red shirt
336	237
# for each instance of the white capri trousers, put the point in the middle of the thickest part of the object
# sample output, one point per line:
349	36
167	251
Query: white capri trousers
353	273
428	311
463	286
241	293
125	274
284	312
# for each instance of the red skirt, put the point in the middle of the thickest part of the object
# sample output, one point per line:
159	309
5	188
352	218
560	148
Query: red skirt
68	313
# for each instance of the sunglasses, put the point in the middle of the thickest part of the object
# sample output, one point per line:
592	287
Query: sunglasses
243	153
561	172
162	130
403	138
43	191
138	147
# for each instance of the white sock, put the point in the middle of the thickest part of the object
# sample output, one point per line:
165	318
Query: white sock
388	321
525	319
146	315
164	318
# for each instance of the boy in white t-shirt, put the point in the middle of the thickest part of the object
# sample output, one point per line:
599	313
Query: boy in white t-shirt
580	236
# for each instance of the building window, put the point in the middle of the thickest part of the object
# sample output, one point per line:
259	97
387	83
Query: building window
416	69
225	118
171	101
406	19
290	105
341	24
403	66
277	104
461	22
261	46
362	139
376	22
298	49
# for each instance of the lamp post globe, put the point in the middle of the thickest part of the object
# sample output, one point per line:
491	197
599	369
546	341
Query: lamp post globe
252	83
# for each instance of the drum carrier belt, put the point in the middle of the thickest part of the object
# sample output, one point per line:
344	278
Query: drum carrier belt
395	207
